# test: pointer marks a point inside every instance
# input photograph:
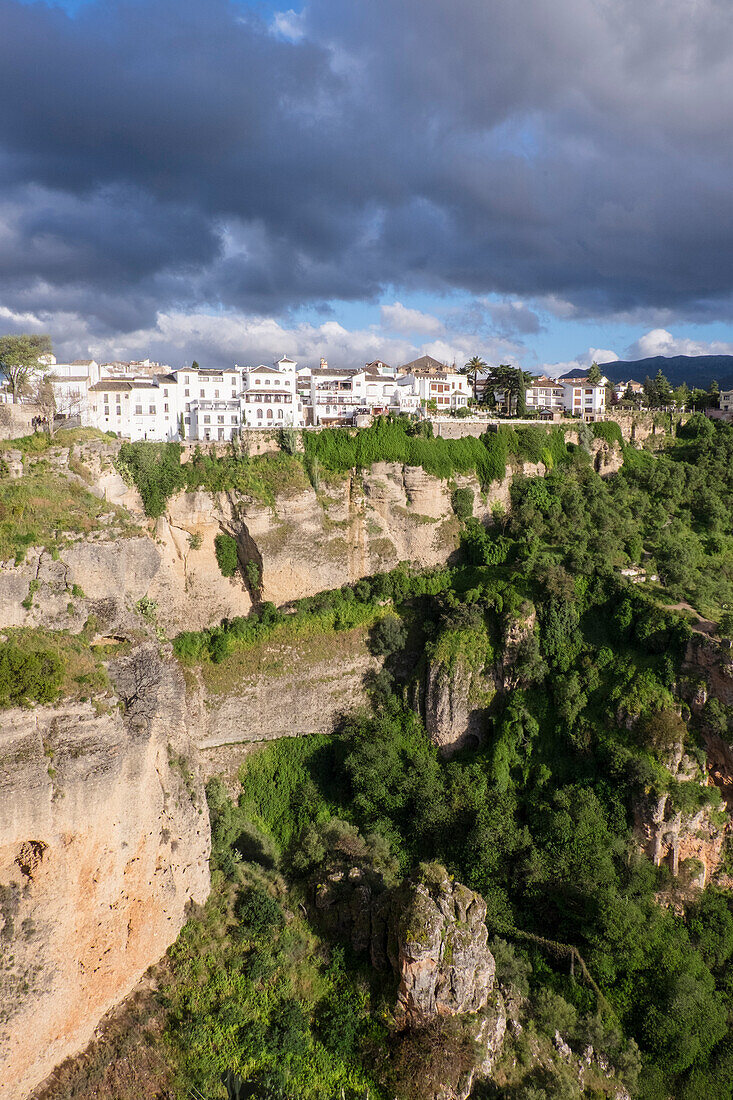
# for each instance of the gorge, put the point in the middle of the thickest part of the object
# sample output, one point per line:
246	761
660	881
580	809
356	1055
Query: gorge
370	607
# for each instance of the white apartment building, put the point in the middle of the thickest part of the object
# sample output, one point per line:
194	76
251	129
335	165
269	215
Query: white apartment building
545	395
270	397
584	398
136	408
449	391
337	396
208	400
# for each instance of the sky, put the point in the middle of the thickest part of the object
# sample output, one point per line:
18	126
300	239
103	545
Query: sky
543	183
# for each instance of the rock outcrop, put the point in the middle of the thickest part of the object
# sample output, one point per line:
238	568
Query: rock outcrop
431	933
675	838
438	948
455	690
104	842
284	690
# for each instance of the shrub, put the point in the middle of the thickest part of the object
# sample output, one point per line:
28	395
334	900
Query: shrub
462	503
28	677
226	554
253	575
258	911
388	636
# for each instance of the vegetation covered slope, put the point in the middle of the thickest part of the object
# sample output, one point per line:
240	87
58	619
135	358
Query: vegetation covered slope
582	736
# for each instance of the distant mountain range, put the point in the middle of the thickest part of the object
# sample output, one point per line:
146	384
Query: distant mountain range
695	370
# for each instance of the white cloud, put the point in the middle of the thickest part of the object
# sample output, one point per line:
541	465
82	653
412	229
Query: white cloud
661	342
289	24
228	337
399	318
581	362
601	355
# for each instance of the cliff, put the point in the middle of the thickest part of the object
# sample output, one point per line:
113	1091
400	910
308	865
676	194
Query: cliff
104	843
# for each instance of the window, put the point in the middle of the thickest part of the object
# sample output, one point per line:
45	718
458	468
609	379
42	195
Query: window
186	393
151	410
186	381
201	393
259	412
138	410
165	407
220	419
207	420
279	414
257	381
269	414
165	394
187	420
216	393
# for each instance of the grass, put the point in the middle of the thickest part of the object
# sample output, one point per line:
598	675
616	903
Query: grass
291	645
44	508
39	443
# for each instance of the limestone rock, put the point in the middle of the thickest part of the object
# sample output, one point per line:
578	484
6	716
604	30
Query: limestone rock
104	842
453	699
438	948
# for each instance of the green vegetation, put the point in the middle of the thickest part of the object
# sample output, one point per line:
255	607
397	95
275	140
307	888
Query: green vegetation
157	472
337	610
540	817
41	443
225	548
400	441
40	666
45	509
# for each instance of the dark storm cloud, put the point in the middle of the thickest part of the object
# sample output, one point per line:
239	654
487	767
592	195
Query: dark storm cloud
165	154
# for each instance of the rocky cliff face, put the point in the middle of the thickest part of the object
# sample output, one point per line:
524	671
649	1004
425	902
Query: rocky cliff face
455	690
672	837
283	690
104	842
307	543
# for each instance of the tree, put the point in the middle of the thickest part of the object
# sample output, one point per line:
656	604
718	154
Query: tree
54	403
20	357
471	369
195	365
510	381
681	396
594	374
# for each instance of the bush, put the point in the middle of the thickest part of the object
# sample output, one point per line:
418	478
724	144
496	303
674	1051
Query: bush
388	636
462	503
258	911
226	554
33	677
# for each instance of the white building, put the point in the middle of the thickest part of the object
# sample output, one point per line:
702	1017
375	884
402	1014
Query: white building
584	398
450	391
545	395
136	408
270	396
337	396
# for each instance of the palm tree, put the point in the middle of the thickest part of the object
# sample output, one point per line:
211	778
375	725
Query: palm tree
472	369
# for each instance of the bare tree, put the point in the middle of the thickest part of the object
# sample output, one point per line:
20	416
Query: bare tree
54	403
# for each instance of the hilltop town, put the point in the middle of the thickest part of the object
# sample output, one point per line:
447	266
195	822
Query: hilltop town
147	400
